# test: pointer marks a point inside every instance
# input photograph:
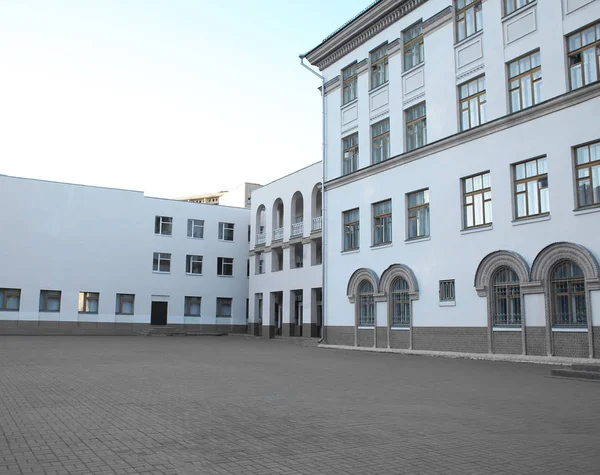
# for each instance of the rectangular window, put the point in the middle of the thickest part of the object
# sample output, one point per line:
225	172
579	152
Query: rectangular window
125	303
380	141
223	307
413	46
418	214
473	104
477	200
350	154
513	5
88	302
351	229
584	56
161	262
416	127
192	306
469	18
193	264
50	300
382	222
587	170
163	225
525	82
447	291
225	266
226	231
531	188
259	263
350	79
195	228
10	299
379	66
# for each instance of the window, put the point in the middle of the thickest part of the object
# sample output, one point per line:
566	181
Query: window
416	127
584	56
513	5
163	225
350	154
531	188
10	299
568	293
193	264
507	297
379	66
400	303
351	229
195	228
161	262
469	19
413	46
350	84
587	168
223	307
473	104
477	200
88	302
192	306
249	232
525	82
50	300
380	141
447	291
125	304
418	214
276	259
260	263
366	304
248	268
226	231
382	222
225	266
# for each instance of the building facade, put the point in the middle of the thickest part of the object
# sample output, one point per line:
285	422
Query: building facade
469	220
89	260
239	197
286	256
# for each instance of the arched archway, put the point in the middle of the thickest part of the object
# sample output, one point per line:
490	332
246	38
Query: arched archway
261	225
277	221
362	291
317	208
399	284
297	214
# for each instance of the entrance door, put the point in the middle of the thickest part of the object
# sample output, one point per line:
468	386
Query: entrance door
299	316
158	314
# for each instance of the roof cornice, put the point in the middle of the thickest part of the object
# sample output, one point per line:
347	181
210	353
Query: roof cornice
359	30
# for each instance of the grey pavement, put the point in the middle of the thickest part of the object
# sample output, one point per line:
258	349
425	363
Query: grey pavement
235	405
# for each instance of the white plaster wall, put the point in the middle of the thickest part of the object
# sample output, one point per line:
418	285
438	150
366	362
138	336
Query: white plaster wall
76	238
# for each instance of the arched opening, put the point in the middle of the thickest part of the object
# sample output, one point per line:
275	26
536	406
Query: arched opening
278	220
507	297
297	214
568	295
317	208
261	222
366	304
400	302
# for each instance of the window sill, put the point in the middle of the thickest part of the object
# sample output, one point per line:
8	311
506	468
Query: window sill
468	38
477	229
277	270
160	272
191	316
400	328
570	329
351	251
349	104
223	316
191	273
196	238
382	245
417	239
366	327
378	88
518	11
227	276
587	210
449	303
49	311
87	313
531	219
164	235
226	240
15	310
125	314
506	329
413	69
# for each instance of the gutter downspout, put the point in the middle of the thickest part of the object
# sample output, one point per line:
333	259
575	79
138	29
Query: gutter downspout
323	201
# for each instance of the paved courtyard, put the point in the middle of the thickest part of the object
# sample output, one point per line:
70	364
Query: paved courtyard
236	405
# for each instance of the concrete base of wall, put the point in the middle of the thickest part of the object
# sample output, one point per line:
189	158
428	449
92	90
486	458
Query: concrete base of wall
310	330
467	339
268	331
254	329
572	345
507	343
535	338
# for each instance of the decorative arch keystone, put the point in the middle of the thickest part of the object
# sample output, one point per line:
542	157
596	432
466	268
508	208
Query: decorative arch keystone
355	280
495	260
399	270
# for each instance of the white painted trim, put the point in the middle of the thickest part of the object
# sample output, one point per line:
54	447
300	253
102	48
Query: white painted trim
506	329
569	330
478	229
533	219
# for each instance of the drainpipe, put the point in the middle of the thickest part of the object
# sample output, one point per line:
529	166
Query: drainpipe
323	201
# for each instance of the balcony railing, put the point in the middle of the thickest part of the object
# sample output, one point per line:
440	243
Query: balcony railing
297	229
317	223
261	238
277	234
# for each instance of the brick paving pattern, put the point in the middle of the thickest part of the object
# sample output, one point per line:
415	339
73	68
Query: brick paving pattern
234	405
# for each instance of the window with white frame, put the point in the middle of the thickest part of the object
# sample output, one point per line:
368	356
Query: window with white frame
125	304
379	66
584	56
192	306
473	103
531	188
50	300
447	292
10	299
418	214
525	82
193	264
413	46
350	82
380	141
351	229
88	302
226	231
382	222
161	262
224	307
195	228
587	169
416	127
225	266
350	154
477	200
163	225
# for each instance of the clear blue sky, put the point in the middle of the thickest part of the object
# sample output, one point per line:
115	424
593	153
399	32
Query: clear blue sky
171	97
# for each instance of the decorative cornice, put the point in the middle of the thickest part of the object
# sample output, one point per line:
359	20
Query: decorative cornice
470	72
364	27
414	99
333	84
438	20
555	104
362	67
394	47
534	287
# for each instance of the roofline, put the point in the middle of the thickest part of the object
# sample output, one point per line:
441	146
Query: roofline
70	184
290	174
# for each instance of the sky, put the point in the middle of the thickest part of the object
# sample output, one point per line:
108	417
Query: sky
169	97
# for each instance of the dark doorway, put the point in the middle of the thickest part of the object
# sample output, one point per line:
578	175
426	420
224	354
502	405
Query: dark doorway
158	314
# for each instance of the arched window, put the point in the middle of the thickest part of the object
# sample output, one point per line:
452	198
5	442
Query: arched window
568	293
400	302
507	297
366	303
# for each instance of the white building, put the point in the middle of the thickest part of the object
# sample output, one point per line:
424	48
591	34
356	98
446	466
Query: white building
463	108
81	259
286	256
239	197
